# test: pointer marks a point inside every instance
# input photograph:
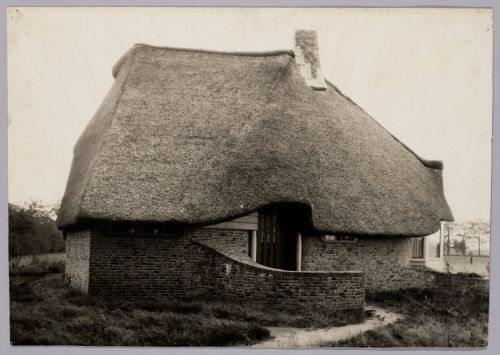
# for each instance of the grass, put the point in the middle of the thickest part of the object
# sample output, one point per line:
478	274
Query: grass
45	311
433	318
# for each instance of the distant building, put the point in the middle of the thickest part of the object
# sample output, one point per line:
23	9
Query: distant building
243	175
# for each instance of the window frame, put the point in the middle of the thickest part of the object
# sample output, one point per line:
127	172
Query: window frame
424	247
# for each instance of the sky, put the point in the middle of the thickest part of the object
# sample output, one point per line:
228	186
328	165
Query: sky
424	74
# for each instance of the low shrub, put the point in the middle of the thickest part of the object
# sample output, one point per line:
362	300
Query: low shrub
23	292
37	269
469	275
276	315
451	317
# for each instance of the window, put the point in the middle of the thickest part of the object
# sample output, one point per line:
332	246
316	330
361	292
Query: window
338	238
417	247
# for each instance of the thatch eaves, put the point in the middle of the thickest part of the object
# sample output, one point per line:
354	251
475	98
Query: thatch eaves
198	137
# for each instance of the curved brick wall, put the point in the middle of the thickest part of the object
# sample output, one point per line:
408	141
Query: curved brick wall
195	265
243	278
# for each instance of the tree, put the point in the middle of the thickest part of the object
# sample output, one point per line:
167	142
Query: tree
459	246
32	230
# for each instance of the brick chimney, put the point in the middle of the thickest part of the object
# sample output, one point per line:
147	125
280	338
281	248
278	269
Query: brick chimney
307	58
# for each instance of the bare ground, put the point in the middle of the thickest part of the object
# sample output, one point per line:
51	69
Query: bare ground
286	337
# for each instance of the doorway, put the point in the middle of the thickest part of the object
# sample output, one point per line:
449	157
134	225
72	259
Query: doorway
276	238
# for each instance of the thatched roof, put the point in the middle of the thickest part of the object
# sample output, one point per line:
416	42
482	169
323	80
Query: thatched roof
198	137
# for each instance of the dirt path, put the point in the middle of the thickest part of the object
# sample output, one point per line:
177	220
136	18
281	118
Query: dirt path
304	338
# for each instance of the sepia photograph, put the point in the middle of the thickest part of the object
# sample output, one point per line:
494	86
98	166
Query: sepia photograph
249	177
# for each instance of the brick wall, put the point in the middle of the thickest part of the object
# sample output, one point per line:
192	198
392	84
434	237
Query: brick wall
146	266
206	263
77	259
385	261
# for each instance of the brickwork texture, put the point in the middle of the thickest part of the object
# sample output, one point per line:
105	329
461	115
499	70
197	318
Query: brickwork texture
203	263
385	261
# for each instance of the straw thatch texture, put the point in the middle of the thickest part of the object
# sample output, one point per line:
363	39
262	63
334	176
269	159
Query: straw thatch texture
199	137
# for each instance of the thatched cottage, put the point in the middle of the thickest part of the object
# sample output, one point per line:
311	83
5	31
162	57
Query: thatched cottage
243	175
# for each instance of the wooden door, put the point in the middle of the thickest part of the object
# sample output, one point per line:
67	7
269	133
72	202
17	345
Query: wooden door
276	244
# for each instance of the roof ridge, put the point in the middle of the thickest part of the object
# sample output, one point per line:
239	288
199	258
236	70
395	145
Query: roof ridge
269	53
266	53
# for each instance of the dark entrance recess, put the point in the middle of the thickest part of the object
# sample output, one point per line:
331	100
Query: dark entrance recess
277	235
